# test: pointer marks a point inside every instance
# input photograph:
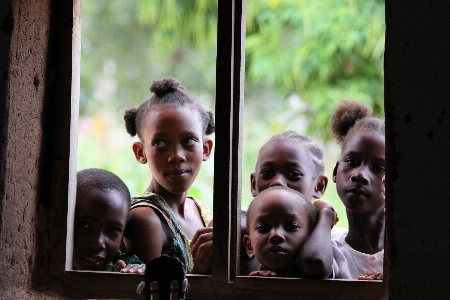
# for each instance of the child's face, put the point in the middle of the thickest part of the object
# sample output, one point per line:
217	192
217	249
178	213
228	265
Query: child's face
100	218
285	163
279	227
174	147
359	173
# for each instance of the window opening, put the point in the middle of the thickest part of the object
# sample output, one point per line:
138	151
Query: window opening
223	281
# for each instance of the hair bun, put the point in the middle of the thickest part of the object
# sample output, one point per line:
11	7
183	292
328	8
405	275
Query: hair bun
345	116
164	86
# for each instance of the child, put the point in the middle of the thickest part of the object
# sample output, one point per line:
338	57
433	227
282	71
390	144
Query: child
292	160
359	182
171	128
101	212
280	221
296	161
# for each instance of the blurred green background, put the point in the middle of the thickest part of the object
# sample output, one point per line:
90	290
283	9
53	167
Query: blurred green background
301	58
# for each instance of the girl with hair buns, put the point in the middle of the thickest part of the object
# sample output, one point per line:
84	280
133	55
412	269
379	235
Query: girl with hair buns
359	178
172	131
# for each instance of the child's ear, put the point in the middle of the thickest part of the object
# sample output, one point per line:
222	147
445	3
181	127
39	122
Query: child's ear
248	246
253	185
139	153
335	172
207	147
321	186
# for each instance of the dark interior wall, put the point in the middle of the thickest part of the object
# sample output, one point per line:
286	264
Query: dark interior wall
6	25
21	146
417	97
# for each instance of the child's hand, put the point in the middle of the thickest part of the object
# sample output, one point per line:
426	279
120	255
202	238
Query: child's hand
263	273
371	275
131	268
325	208
202	250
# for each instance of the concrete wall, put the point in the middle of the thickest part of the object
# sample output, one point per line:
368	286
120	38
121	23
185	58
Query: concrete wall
21	145
417	93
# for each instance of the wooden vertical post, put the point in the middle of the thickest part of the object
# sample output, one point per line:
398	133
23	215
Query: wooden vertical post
227	163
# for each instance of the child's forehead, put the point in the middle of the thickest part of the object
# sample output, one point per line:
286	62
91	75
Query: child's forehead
366	140
278	201
284	149
88	195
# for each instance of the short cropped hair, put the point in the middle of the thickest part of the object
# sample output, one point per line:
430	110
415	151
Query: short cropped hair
102	180
305	202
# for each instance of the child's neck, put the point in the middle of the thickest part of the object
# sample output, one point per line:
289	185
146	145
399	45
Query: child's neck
366	231
175	201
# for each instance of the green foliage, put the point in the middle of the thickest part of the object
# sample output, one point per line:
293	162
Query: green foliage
302	56
321	50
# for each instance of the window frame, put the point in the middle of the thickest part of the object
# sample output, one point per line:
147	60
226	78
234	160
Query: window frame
227	191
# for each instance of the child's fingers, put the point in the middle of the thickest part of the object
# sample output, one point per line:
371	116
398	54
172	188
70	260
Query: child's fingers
263	273
134	268
199	232
370	275
203	250
201	239
121	264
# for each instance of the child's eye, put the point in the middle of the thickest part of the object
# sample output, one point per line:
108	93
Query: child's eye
159	144
295	174
114	232
292	227
83	224
262	228
379	169
351	162
266	173
191	141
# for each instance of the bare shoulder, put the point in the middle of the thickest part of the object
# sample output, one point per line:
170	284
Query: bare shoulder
144	234
144	219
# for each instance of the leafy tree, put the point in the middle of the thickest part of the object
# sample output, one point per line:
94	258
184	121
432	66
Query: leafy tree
302	56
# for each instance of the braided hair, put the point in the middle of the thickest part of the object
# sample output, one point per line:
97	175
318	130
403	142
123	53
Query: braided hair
312	149
167	91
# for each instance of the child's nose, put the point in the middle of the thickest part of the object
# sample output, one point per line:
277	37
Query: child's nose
98	241
360	175
276	235
177	154
278	180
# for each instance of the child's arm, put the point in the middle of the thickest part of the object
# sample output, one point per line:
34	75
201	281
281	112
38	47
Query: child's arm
316	257
202	251
144	234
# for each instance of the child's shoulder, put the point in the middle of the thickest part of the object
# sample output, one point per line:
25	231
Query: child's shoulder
338	232
205	211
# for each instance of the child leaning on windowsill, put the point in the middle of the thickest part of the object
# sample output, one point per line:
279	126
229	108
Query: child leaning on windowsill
280	222
101	212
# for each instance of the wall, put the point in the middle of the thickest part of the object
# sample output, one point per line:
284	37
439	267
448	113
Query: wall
417	93
417	97
21	146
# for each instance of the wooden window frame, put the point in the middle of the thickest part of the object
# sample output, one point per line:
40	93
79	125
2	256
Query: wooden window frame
223	283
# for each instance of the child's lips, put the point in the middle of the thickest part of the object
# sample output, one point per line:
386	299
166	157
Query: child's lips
355	190
94	259
177	172
277	250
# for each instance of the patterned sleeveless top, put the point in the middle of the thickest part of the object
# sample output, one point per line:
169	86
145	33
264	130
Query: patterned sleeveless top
179	245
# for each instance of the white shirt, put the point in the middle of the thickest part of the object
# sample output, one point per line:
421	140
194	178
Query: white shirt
349	263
